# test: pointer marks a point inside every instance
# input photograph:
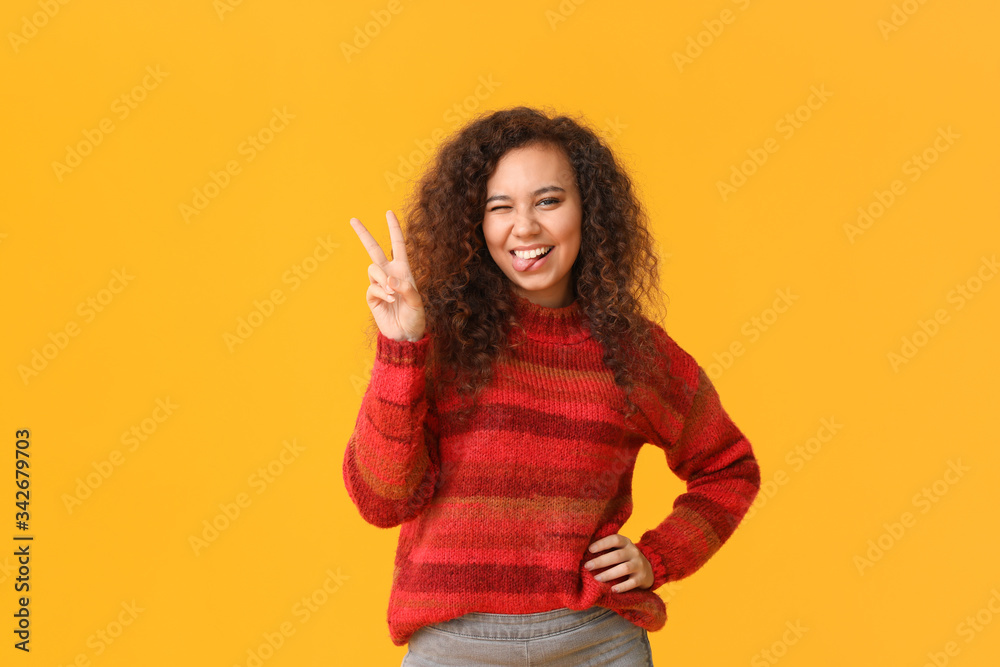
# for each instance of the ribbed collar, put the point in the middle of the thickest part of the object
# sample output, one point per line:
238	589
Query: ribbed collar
551	325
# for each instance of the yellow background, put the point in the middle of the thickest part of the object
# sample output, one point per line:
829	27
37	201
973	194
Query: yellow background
363	125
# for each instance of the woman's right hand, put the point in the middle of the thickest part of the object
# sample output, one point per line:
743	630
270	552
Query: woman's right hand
392	294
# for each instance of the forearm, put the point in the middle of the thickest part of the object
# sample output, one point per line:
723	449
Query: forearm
389	466
703	517
722	476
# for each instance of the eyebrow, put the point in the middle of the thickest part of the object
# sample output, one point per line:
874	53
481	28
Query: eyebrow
547	188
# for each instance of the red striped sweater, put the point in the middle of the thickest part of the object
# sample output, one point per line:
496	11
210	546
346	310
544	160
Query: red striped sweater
496	516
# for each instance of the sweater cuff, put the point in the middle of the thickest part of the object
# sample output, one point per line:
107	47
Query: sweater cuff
660	572
401	352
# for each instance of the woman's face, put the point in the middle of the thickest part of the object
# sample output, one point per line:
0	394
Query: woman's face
532	201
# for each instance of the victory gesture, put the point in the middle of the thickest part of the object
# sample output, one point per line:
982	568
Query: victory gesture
392	294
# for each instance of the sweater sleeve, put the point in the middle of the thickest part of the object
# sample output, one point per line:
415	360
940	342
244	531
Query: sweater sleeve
709	453
391	464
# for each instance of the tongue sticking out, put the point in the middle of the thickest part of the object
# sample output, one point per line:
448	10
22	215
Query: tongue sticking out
524	264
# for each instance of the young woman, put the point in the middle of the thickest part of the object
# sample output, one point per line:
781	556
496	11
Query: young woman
515	380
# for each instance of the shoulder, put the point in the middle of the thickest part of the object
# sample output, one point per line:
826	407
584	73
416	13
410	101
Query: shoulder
675	371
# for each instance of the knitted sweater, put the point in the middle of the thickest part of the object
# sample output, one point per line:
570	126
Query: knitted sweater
496	516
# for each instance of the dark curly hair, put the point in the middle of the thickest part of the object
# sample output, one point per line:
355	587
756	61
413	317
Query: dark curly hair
468	299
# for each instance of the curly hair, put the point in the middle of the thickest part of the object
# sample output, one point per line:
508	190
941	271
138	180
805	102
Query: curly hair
468	299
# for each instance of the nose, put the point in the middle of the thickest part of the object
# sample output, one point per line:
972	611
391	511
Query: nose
525	224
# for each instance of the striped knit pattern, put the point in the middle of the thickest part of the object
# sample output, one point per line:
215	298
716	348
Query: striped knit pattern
496	515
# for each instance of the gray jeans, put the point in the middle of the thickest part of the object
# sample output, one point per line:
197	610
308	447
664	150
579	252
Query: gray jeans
558	638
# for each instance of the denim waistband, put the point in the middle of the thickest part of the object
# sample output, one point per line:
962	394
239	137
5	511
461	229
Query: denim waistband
482	625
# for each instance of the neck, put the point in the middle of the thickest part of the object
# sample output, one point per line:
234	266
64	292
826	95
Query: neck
549	299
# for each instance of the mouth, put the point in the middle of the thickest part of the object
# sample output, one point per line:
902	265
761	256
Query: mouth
521	264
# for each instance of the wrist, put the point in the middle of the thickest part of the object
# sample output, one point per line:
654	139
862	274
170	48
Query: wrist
405	351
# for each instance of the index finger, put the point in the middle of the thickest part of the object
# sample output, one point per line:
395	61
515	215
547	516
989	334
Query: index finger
371	245
396	237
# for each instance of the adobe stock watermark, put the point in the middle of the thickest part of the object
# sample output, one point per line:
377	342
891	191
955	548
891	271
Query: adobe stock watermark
779	648
923	500
961	294
132	438
696	44
249	148
753	329
223	7
915	166
264	309
361	382
562	12
796	458
121	107
968	628
7	569
787	125
59	339
99	641
259	480
900	15
302	610
453	116
612	129
31	25
363	35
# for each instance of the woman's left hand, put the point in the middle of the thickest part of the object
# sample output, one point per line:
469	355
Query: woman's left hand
630	562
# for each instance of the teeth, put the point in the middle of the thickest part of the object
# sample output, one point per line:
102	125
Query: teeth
528	254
